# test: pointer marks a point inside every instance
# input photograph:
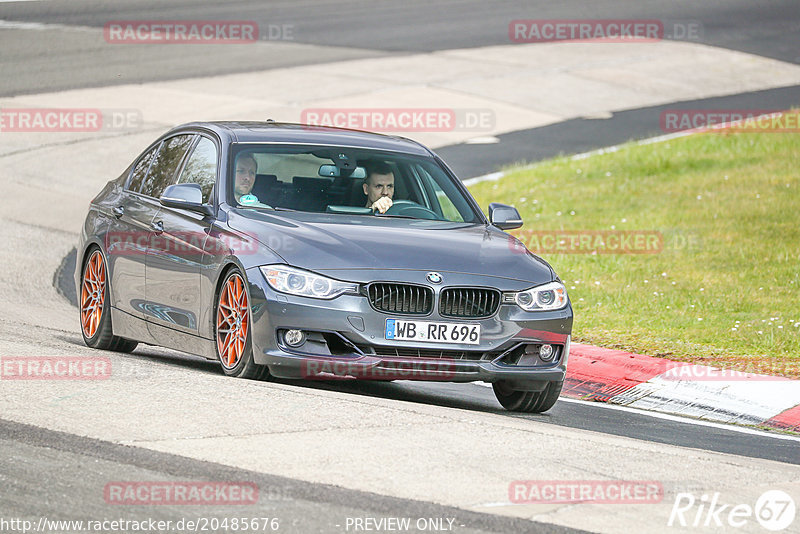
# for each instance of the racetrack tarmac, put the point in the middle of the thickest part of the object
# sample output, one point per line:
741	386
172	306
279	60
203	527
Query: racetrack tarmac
337	450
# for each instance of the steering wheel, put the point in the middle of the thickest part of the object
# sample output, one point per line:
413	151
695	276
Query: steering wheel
410	208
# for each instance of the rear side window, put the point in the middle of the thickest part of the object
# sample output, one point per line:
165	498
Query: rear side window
165	164
201	168
140	170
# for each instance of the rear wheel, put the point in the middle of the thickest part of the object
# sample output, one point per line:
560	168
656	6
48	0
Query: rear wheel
94	307
527	401
234	347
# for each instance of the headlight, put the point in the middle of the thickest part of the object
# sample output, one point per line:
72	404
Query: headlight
552	296
298	282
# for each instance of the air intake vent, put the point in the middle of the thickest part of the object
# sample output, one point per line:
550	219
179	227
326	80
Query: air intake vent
434	354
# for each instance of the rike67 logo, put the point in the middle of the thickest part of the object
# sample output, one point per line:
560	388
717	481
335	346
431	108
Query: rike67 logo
774	510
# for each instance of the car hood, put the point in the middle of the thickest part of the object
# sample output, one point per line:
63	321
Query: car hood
327	243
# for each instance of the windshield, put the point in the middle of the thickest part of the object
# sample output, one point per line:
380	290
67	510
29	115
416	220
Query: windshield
345	181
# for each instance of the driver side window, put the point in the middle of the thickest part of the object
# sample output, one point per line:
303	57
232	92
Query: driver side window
435	197
449	210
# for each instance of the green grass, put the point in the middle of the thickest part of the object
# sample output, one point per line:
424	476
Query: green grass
724	290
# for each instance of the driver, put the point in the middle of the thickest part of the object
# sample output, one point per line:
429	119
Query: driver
379	186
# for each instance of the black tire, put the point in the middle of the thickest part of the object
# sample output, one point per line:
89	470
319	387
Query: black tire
243	364
527	401
97	331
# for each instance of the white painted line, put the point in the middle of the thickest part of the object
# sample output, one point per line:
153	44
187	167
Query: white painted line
608	150
488	177
485	140
42	26
494	176
600	115
494	504
679	419
641	142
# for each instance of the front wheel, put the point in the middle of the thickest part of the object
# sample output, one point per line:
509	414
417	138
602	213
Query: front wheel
527	401
94	307
234	346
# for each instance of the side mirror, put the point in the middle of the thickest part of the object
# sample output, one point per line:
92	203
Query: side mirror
504	217
185	196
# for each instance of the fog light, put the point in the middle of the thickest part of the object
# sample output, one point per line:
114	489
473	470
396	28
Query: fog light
294	338
546	352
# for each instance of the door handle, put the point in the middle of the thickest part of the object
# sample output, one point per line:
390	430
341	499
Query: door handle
158	227
118	211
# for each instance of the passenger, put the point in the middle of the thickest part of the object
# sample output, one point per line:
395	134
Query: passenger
246	170
379	186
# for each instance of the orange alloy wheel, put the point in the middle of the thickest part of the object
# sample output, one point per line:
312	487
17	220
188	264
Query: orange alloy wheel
93	294
233	321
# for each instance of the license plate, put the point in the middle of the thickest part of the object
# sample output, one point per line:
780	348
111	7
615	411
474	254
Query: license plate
432	332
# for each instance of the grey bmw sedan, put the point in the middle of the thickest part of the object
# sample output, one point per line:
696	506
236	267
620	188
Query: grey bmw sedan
304	252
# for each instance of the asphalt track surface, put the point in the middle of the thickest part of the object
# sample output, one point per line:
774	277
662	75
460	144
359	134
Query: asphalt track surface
345	29
584	134
583	415
33	453
58	59
375	29
372	29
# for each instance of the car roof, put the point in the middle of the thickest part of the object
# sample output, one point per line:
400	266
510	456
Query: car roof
291	133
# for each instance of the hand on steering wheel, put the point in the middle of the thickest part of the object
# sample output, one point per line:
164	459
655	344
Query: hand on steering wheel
382	204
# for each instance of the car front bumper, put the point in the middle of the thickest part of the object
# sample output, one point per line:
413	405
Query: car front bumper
346	340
